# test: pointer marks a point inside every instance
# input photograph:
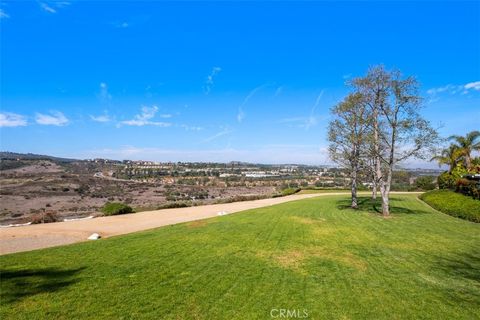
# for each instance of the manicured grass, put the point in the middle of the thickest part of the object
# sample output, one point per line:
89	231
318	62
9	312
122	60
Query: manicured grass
314	254
454	204
309	191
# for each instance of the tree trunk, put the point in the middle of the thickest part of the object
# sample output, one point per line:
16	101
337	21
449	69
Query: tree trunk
378	170
385	203
385	189
468	161
374	186
354	188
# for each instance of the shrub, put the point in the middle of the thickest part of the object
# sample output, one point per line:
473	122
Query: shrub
171	205
449	180
425	183
454	204
468	188
45	217
114	208
289	191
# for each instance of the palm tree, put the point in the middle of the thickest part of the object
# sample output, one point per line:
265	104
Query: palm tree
468	144
449	156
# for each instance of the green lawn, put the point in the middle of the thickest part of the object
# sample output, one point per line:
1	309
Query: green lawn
313	254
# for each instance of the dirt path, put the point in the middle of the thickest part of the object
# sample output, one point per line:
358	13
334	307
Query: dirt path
39	236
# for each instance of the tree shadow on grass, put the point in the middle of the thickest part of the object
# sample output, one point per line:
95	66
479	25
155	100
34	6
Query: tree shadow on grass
464	267
19	284
375	206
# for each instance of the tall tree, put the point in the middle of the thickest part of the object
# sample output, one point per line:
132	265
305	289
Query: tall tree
347	135
375	88
398	130
466	145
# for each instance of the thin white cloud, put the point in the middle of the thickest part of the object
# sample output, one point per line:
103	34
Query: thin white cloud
144	118
473	85
3	14
308	121
225	131
190	128
453	89
53	6
104	95
47	7
123	25
209	81
241	113
278	91
9	119
55	118
101	118
449	88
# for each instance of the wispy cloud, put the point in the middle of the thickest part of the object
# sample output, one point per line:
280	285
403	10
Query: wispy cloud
104	95
121	25
225	131
47	7
449	88
3	14
8	119
209	81
306	122
190	128
241	113
453	89
473	85
101	118
55	118
144	118
278	91
53	6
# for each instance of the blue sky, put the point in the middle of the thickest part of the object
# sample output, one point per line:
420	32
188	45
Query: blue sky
220	81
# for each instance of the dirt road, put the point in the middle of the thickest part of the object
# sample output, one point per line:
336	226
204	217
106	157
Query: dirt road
26	238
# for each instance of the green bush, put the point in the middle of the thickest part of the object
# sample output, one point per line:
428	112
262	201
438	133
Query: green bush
289	191
425	183
114	208
172	205
449	180
454	204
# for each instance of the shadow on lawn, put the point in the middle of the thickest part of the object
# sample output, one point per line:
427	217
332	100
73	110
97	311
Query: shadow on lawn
465	265
18	284
375	206
465	269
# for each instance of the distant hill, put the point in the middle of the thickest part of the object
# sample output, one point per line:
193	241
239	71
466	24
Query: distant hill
5	155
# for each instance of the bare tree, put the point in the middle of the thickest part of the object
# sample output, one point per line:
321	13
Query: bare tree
397	131
404	133
347	135
375	88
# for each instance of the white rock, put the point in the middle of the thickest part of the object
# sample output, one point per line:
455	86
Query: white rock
94	236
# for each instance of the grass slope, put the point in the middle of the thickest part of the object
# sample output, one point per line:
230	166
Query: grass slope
313	254
454	204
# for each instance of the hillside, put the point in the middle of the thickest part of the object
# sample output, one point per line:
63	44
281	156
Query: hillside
315	255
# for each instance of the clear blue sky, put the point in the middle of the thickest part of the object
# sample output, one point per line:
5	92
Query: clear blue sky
219	81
